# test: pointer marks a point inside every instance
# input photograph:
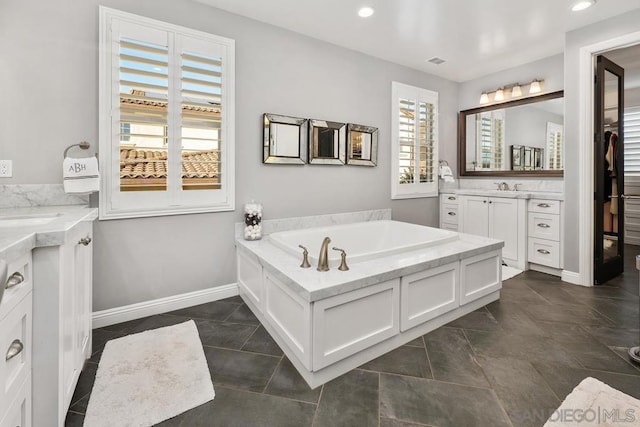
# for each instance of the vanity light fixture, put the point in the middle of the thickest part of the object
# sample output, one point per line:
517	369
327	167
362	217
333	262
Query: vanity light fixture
365	12
535	87
582	5
516	91
513	90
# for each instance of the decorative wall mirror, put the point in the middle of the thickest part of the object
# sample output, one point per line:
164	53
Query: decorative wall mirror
285	139
327	142
486	137
362	145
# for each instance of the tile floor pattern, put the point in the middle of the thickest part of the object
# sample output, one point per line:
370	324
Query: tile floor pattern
507	364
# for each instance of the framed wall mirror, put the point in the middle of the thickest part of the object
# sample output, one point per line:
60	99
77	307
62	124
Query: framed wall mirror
285	139
327	142
524	137
362	145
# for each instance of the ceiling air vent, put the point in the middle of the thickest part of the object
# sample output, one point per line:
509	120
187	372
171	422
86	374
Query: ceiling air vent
436	60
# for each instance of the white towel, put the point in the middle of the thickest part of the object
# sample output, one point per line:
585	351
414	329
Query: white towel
446	173
80	176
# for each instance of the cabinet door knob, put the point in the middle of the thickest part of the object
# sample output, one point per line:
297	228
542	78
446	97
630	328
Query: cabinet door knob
84	241
15	349
544	251
543	225
14	280
451	213
544	205
484	201
490	202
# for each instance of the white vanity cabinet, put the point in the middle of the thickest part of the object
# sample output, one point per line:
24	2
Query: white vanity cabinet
16	344
499	218
61	323
449	211
544	231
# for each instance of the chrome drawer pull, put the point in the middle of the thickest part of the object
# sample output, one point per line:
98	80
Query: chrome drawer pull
543	225
85	241
14	280
544	205
544	251
451	213
451	198
15	349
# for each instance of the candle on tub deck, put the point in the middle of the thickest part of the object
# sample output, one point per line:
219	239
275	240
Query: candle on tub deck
252	221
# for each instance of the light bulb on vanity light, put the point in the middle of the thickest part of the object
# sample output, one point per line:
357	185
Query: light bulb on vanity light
516	91
535	87
499	96
484	98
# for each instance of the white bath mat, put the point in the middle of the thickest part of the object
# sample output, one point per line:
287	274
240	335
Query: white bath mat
593	403
509	272
149	377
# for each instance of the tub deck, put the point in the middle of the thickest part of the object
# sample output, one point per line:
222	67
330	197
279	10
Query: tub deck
328	323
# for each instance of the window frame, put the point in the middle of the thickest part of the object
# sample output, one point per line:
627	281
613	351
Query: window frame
117	204
419	189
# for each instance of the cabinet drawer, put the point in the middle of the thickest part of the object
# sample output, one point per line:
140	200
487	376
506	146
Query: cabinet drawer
448	198
15	345
544	226
449	214
544	206
20	282
544	252
450	227
18	413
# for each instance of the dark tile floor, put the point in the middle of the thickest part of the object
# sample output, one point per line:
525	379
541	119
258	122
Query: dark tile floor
507	364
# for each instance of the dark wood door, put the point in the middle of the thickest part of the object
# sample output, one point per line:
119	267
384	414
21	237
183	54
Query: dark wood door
609	171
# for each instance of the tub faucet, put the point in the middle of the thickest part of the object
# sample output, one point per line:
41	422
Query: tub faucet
323	258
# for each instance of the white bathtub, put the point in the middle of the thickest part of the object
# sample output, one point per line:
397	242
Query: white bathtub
362	240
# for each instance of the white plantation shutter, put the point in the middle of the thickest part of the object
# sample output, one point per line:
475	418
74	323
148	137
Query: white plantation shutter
490	133
555	138
166	109
414	142
632	141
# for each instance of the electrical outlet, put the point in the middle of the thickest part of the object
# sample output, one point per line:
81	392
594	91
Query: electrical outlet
6	168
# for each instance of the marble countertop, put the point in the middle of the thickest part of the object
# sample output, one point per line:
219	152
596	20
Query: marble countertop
16	240
520	194
312	285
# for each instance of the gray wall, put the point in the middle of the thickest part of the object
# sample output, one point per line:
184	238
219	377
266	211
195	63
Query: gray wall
49	87
574	41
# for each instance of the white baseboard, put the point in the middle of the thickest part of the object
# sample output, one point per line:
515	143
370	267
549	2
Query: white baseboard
571	277
161	305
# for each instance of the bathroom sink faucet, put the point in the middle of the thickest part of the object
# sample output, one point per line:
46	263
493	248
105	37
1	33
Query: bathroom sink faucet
502	186
323	258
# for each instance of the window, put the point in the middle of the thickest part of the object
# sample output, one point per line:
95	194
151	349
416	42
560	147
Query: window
414	171
632	141
166	118
490	133
555	138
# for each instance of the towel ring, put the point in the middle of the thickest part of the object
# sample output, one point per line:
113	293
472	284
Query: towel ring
83	145
443	163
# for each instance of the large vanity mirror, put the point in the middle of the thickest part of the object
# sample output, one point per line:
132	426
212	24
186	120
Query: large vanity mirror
524	137
285	139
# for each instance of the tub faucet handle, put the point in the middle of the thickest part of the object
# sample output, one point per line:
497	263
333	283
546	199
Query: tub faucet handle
343	261
305	257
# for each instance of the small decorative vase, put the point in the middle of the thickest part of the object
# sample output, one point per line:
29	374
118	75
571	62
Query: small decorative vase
252	221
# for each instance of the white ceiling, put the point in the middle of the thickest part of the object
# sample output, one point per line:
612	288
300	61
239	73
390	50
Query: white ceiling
475	37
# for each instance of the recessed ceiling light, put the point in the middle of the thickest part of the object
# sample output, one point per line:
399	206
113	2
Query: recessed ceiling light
365	12
582	5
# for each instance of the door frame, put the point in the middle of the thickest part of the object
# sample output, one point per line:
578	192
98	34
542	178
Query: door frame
585	149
